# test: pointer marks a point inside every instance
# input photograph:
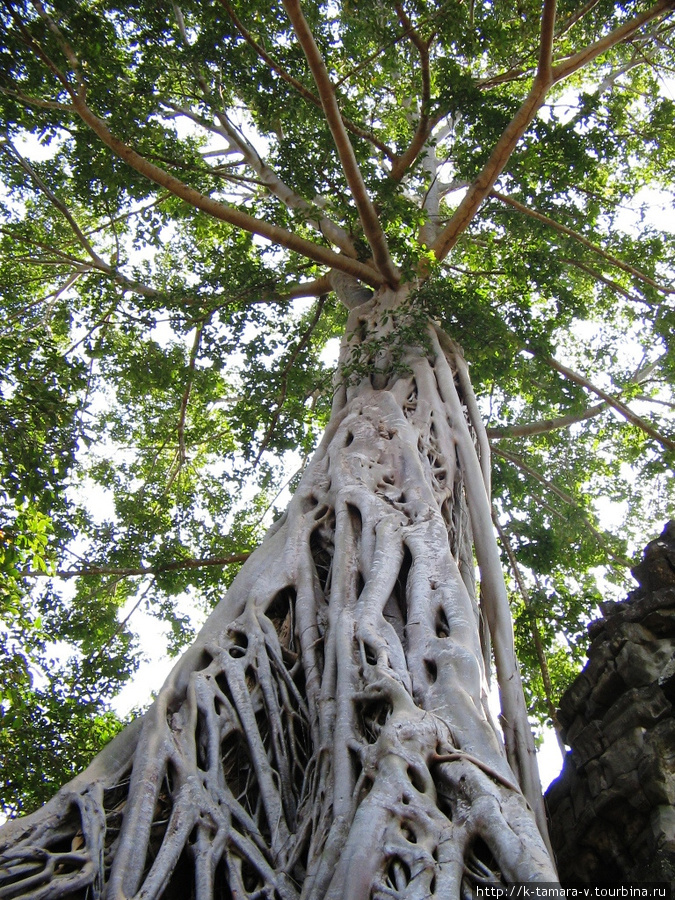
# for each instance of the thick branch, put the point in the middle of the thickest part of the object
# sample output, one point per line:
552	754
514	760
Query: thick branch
268	177
191	196
483	184
544	426
221	211
506	144
299	87
423	130
588	54
309	289
367	213
546	40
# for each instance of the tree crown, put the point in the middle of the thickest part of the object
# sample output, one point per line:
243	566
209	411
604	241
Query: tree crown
181	180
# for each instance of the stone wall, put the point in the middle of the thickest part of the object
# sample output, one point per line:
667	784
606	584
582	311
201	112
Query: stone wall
612	809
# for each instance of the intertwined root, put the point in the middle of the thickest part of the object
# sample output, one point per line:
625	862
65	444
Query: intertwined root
328	734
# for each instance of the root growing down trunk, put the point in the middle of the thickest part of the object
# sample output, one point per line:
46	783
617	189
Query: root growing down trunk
328	734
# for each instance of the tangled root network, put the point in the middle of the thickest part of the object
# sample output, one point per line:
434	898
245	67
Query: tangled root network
328	735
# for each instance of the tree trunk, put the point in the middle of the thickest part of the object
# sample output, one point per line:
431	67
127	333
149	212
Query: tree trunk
328	734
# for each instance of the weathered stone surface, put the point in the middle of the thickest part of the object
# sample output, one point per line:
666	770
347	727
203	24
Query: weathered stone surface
637	706
596	776
661	622
657	569
575	729
612	810
645	663
588	745
610	685
573	699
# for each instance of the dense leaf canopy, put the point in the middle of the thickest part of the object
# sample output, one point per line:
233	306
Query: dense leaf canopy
179	179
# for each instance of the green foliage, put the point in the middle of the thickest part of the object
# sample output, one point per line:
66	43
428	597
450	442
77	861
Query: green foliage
162	382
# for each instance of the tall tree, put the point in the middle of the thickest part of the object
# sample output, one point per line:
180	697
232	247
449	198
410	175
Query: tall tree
448	173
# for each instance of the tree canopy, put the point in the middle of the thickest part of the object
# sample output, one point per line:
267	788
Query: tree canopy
179	182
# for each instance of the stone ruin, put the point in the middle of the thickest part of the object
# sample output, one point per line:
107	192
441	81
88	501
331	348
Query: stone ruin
612	809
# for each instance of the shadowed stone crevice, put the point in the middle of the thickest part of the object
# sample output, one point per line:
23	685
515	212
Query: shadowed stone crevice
612	809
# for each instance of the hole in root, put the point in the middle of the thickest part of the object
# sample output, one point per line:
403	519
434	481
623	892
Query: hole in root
398	874
239	644
442	624
417	779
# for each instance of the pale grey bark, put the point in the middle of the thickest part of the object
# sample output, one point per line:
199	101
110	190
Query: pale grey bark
328	734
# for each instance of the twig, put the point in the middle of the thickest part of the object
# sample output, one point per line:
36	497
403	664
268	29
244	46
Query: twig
566	498
180	429
603	279
575	17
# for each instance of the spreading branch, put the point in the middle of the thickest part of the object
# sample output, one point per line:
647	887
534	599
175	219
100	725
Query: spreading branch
423	130
547	75
13	154
219	210
308	95
483	184
573	63
617	405
190	195
266	176
563	229
544	426
367	212
546	41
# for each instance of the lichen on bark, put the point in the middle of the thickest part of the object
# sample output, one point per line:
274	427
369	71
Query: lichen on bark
328	735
